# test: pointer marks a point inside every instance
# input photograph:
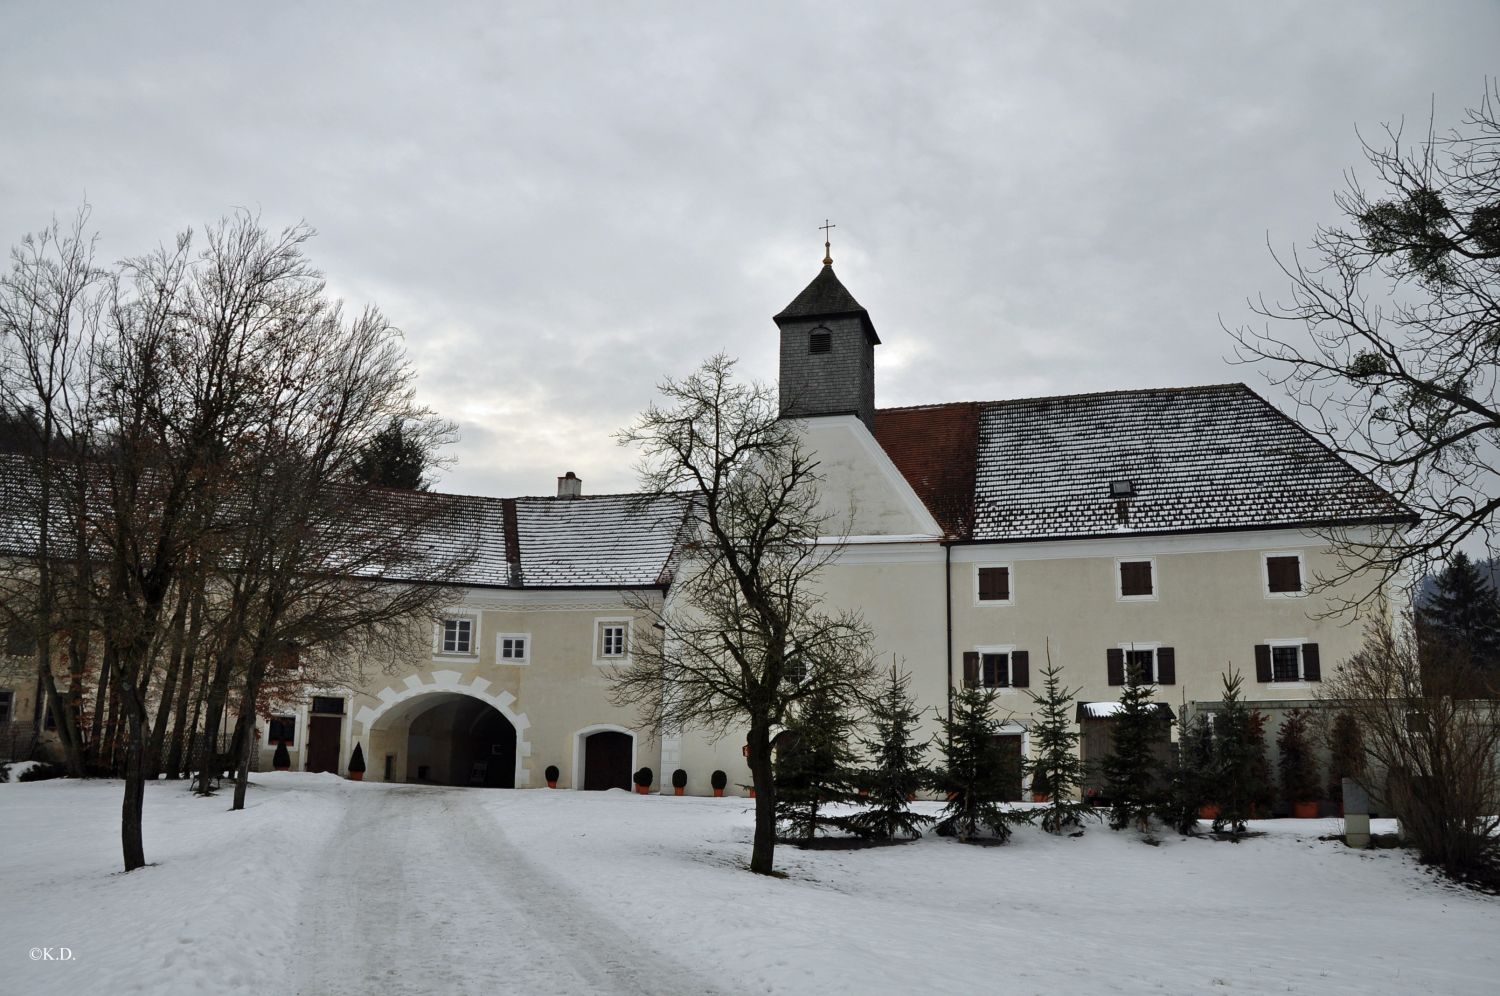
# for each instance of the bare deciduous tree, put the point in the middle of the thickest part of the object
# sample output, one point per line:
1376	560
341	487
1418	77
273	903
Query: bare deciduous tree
1396	361
744	633
1437	745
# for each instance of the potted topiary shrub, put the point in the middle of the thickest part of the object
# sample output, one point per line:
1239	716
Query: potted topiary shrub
679	781
357	764
643	780
282	760
552	775
718	780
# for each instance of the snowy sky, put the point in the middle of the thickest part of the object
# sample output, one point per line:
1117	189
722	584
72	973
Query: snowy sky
560	203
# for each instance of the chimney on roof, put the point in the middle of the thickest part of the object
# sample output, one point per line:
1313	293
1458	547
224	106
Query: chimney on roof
569	486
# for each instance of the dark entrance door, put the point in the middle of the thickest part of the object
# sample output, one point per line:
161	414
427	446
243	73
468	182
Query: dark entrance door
323	743
606	761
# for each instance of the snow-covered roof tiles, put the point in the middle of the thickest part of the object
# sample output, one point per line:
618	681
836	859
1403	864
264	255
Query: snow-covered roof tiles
599	540
1197	458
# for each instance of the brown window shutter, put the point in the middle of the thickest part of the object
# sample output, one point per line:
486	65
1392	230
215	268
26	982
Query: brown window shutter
994	584
971	669
1115	664
1263	662
1311	669
1166	666
1135	577
1283	574
1020	669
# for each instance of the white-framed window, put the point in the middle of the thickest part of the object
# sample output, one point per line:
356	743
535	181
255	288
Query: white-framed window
457	635
1287	661
513	648
1157	664
1283	574
611	640
999	667
994	584
7	704
1135	579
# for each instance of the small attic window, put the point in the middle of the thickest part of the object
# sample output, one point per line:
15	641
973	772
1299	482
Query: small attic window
1122	489
819	341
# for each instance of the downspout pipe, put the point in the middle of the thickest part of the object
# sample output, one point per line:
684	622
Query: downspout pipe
948	622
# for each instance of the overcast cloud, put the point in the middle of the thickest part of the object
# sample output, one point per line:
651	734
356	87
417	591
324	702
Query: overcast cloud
561	203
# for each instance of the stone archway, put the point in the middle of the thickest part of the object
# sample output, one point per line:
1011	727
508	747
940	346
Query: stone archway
386	729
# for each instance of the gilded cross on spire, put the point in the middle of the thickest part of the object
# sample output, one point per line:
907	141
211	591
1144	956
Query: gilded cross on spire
827	245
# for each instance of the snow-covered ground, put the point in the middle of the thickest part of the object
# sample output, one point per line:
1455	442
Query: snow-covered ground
325	886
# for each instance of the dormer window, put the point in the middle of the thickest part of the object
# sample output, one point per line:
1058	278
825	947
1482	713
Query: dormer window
1122	489
819	341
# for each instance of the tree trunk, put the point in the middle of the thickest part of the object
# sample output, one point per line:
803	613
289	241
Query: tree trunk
168	688
218	695
763	852
247	725
135	785
95	753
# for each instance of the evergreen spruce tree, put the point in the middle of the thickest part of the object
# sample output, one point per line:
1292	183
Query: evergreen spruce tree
1463	613
1058	765
1132	771
896	773
1240	762
1193	779
975	772
816	769
1295	763
394	458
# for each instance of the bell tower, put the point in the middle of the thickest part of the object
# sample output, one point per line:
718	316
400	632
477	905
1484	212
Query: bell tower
827	351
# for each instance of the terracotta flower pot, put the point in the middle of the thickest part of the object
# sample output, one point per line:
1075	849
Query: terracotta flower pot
678	791
1208	812
643	789
1040	797
718	793
552	783
1305	810
356	776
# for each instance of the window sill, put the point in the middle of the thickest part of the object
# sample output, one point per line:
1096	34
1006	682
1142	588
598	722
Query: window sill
1301	684
987	603
440	656
1282	595
1137	598
610	661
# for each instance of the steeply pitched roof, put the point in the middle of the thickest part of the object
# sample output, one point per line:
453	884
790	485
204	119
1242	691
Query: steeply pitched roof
826	297
1200	458
934	447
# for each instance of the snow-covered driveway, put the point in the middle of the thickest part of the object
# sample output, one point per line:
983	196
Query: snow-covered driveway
419	891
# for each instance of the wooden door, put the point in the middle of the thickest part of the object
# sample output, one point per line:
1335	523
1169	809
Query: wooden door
1009	745
606	761
323	736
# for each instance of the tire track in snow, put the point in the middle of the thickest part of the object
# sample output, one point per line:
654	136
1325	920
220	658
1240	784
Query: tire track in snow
418	891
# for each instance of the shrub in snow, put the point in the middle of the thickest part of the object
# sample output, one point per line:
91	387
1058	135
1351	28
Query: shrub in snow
1057	767
282	759
552	773
976	774
42	772
897	773
719	780
1132	771
814	768
357	761
1296	765
1193	780
1240	754
679	779
1346	749
644	777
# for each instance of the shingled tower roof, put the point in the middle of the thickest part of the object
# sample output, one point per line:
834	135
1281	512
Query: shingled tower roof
826	297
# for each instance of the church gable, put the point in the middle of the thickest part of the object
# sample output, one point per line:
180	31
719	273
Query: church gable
863	493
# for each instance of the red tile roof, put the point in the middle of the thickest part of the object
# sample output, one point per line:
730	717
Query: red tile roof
934	448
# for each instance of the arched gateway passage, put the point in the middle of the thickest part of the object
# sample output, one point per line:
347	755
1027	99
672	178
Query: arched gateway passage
447	738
